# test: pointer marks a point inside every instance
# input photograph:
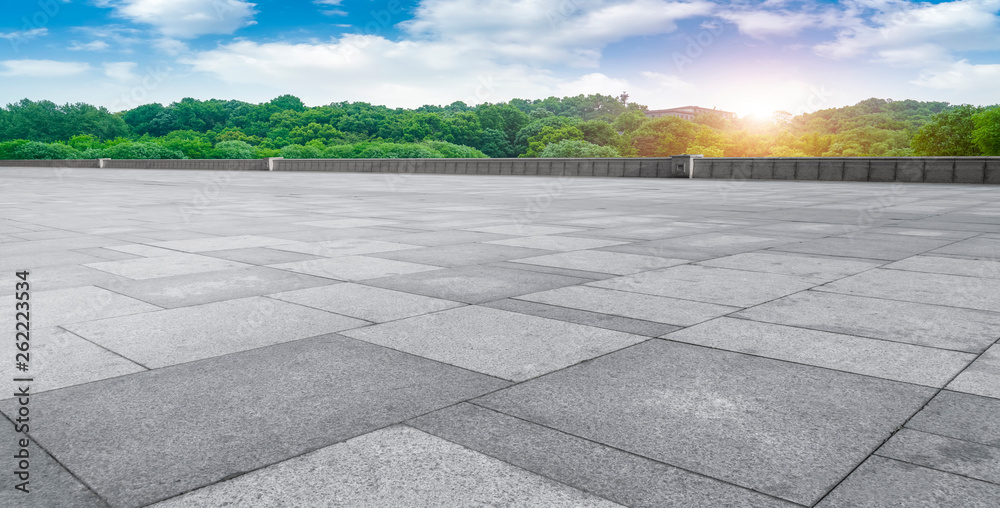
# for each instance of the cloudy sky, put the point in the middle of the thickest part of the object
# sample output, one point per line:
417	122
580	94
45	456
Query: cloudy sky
747	56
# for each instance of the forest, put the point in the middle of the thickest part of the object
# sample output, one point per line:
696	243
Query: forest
582	126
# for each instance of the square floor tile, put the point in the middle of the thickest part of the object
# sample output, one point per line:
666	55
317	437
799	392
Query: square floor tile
461	254
173	430
424	471
602	262
200	288
49	484
811	267
220	243
354	267
788	430
633	305
525	230
886	247
721	286
962	416
613	474
186	334
982	377
915	323
475	284
557	243
950	455
345	247
348	223
880	358
74	305
260	256
933	288
495	342
981	248
988	268
165	266
369	303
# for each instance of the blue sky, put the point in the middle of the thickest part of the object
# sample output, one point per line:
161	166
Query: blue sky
747	56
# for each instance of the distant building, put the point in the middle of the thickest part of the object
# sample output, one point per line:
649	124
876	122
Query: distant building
688	112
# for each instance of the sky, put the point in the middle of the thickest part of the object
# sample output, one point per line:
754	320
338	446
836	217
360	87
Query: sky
747	56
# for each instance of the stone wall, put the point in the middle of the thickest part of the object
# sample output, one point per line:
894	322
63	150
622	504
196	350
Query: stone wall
838	169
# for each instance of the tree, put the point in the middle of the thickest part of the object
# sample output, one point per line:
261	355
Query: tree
577	148
663	137
288	101
548	135
494	144
987	130
949	133
629	121
233	150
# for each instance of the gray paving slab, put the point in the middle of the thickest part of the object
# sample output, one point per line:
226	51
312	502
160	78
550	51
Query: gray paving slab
914	323
169	337
868	246
583	317
554	270
49	484
980	248
220	243
48	278
345	247
260	256
414	469
461	254
450	237
633	305
165	266
823	269
703	246
788	430
518	229
60	359
78	304
982	377
352	268
584	464
556	243
502	344
961	416
881	482
615	263
106	254
173	430
964	458
885	359
722	286
44	259
143	250
473	284
988	268
933	288
348	223
364	302
216	286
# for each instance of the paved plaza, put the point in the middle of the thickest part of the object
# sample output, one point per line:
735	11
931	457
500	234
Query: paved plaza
208	338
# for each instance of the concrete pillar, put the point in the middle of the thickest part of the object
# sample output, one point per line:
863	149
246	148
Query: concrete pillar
270	161
101	162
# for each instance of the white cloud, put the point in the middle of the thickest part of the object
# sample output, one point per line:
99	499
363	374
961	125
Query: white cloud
571	32
97	45
25	34
962	76
762	24
121	71
41	68
187	18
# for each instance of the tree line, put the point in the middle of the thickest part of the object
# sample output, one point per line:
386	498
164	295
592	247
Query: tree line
582	126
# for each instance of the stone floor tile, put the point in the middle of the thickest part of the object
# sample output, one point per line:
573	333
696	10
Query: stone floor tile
889	248
987	268
787	430
502	344
474	284
169	337
351	268
75	305
823	269
364	302
915	323
260	256
721	286
622	477
933	288
413	468
583	317
460	255
556	243
344	247
982	377
881	482
165	266
879	358
961	416
50	485
633	305
220	243
173	430
964	458
603	262
525	230
979	248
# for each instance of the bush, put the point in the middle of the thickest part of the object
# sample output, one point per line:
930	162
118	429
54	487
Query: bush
135	150
43	151
453	151
233	150
9	148
301	152
577	148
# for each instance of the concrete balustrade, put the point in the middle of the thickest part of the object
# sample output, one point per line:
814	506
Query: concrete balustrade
849	169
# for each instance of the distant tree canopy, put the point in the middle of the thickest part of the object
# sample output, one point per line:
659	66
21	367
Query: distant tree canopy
582	126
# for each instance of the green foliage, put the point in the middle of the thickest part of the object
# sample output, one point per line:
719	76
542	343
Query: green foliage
548	134
135	150
45	121
949	133
987	130
577	148
233	150
664	136
192	144
33	150
301	152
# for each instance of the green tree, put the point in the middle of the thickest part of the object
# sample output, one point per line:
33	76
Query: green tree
577	148
548	135
233	150
987	130
949	133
